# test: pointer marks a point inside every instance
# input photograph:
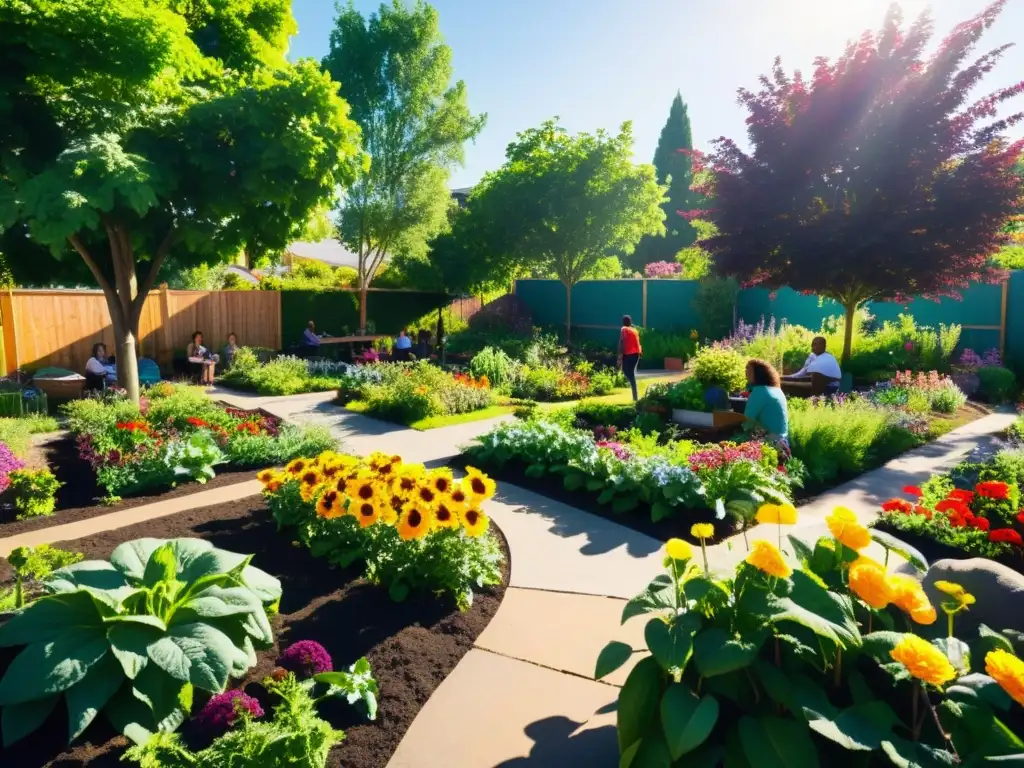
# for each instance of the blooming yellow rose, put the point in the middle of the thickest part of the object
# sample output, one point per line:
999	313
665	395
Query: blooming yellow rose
869	582
923	660
1007	670
908	595
780	514
702	530
766	557
677	549
844	526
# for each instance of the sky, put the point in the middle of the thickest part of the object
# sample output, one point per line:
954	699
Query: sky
598	63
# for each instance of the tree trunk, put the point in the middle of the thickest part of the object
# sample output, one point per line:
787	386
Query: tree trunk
851	313
362	310
568	313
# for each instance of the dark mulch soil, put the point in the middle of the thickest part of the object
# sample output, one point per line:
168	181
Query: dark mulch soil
932	550
79	497
411	646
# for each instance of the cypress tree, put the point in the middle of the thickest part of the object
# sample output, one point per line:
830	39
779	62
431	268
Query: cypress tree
676	169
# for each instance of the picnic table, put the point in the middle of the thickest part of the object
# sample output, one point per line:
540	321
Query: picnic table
352	341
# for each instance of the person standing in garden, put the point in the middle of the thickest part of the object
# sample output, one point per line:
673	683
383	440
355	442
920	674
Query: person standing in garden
629	352
766	408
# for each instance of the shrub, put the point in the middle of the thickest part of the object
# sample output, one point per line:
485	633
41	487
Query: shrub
657	345
31	565
495	364
138	633
777	664
720	367
715	303
415	529
948	399
996	384
282	376
34	492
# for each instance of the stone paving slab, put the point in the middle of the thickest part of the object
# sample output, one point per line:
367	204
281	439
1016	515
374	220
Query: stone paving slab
559	548
560	631
126	517
496	712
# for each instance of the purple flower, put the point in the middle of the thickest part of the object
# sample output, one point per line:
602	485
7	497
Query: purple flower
663	269
621	452
306	658
221	712
8	463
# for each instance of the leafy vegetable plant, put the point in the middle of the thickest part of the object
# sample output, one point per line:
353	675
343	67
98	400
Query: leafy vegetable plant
133	637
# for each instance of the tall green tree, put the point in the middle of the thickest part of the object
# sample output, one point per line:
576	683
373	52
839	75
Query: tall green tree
562	203
136	136
395	71
674	167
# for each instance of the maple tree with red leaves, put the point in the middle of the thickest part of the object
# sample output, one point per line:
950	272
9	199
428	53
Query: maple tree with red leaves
877	178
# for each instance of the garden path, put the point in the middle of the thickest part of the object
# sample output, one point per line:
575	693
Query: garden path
525	697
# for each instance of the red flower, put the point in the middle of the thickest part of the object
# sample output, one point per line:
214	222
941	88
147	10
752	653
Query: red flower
919	510
957	520
913	490
952	505
897	505
993	489
980	523
196	422
959	494
1007	535
1020	517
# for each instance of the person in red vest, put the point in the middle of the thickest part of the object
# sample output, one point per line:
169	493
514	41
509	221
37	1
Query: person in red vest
629	351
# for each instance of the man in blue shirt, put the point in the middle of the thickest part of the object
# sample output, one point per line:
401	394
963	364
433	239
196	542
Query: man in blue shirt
309	337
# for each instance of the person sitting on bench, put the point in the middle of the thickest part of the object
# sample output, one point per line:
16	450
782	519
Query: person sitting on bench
96	368
821	362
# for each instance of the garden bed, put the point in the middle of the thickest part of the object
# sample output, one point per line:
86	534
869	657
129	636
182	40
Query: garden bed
412	646
932	550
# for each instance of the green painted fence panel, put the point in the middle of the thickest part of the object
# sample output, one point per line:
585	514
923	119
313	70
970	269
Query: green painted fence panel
1015	321
546	299
670	304
604	302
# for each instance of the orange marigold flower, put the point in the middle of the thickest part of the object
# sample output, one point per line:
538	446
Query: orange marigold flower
850	533
868	581
923	660
766	557
1007	670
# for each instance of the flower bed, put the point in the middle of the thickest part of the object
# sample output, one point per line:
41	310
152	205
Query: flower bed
409	392
544	378
284	375
825	661
409	647
973	511
621	472
178	434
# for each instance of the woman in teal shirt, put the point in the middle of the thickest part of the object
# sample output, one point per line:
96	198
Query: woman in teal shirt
766	407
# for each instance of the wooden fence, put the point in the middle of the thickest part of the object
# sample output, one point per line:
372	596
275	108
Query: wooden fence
58	328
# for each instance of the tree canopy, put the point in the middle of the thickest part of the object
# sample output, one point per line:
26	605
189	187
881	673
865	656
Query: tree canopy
134	135
560	204
673	162
395	71
876	178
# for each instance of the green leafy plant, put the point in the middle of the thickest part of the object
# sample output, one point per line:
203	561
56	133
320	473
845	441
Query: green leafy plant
997	384
31	564
134	636
496	365
195	457
688	394
720	367
34	492
657	345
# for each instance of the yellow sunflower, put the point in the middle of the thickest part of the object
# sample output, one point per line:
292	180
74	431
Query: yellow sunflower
330	471
414	522
364	487
458	497
424	494
389	511
366	512
477	485
406	479
273	486
295	466
266	476
445	517
309	484
330	505
475	522
325	458
383	464
441	481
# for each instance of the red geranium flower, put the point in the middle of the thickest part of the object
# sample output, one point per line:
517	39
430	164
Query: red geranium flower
957	520
196	422
913	490
919	510
959	494
993	489
1007	535
952	505
1020	517
897	505
980	523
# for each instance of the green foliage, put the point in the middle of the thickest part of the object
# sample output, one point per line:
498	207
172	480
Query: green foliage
17	433
688	395
31	565
720	367
134	636
395	70
997	384
34	492
195	456
695	260
284	375
715	303
496	365
657	345
409	392
296	736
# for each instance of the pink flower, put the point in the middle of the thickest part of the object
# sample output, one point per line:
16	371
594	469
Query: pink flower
909	346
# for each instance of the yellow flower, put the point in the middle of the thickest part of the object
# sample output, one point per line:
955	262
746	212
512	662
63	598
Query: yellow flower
458	498
295	466
414	522
363	487
383	464
908	595
844	526
273	486
702	530
477	485
366	512
441	481
267	476
325	458
766	557
425	494
330	505
961	597
475	522
677	549
1007	670
445	517
389	512
780	514
869	581
310	481
923	660
406	479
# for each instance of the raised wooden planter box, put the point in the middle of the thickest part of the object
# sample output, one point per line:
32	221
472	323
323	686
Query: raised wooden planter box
717	419
673	363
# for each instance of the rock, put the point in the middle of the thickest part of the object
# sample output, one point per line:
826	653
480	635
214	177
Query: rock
999	592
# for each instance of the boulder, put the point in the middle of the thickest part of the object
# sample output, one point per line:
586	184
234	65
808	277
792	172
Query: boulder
999	592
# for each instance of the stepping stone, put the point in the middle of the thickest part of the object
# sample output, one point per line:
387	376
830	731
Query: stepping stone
502	713
560	631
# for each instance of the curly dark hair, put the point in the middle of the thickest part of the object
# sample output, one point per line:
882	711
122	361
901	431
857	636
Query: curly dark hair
764	374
